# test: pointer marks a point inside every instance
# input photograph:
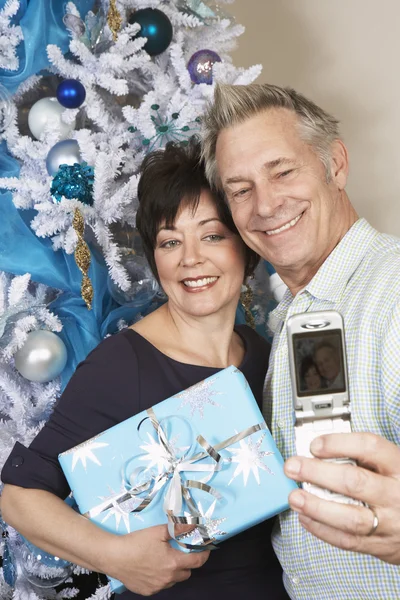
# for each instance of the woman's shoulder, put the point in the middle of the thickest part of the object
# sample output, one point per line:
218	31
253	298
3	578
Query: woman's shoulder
253	339
114	353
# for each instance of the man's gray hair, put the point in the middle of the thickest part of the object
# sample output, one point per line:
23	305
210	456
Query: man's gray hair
234	104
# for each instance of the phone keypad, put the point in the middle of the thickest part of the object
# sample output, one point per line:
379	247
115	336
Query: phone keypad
305	434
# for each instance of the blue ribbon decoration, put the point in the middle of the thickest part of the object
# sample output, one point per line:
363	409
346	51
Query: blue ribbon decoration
41	24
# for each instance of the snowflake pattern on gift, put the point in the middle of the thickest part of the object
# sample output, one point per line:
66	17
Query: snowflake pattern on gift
122	510
249	459
198	396
158	456
84	452
211	525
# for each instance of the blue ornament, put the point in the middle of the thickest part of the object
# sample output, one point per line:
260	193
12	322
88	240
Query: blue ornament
74	181
200	66
71	93
156	27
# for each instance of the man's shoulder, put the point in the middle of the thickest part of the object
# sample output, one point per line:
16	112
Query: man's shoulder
381	264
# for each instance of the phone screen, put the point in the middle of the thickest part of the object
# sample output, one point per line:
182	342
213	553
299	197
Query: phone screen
319	362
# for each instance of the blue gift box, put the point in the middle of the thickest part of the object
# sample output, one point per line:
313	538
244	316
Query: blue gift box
205	454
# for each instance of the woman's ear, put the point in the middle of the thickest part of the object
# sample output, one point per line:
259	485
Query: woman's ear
339	164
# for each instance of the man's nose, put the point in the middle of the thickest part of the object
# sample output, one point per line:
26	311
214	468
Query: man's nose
266	200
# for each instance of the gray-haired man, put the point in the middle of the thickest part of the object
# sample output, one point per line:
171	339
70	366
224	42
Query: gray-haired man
283	167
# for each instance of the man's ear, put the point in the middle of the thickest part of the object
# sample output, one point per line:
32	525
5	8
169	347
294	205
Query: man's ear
339	164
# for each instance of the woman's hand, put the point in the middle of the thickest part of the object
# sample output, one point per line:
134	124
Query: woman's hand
146	563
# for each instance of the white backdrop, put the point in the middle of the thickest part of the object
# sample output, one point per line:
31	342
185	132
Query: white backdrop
344	55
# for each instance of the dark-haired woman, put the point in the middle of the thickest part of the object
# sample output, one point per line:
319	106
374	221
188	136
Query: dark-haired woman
201	262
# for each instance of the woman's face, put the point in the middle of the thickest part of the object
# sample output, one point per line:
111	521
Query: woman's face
200	261
312	378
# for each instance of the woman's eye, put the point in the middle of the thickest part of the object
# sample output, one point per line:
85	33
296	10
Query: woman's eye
169	244
214	237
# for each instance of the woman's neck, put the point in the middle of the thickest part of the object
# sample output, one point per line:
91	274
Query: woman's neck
206	341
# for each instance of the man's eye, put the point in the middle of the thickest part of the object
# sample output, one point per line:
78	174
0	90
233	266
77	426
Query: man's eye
241	195
284	173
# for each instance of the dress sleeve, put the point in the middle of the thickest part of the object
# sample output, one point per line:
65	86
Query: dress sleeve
102	392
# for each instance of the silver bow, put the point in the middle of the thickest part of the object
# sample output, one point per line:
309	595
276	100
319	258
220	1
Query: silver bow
177	489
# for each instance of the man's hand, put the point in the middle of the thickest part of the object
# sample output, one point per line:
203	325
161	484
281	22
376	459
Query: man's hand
376	482
146	563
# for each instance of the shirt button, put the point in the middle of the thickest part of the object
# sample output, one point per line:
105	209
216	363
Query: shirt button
17	461
281	423
295	580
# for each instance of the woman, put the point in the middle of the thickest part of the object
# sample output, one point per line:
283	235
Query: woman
309	375
201	262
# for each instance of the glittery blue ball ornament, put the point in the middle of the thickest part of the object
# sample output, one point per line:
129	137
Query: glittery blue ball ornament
200	66
71	93
156	27
74	181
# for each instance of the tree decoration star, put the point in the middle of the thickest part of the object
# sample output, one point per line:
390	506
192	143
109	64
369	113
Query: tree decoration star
198	396
249	459
166	130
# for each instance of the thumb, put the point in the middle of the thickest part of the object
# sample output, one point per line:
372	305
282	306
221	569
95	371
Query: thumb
180	530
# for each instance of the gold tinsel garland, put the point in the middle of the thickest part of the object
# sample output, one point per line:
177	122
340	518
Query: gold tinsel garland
114	19
82	258
246	298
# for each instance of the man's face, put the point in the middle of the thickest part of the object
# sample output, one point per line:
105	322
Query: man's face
277	189
327	361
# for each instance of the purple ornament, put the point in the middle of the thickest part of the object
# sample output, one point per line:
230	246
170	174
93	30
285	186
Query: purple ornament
200	66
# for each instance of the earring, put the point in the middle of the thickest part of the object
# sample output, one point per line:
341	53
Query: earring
246	299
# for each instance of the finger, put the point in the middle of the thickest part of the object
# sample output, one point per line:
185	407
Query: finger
368	449
179	531
193	560
183	575
341	539
345	479
356	520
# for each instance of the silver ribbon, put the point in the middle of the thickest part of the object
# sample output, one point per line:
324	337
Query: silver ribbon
177	490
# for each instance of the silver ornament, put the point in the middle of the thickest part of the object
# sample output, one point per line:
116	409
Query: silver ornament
42	569
42	357
47	112
65	152
143	286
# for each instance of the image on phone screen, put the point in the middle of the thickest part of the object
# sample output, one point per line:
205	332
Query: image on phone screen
319	362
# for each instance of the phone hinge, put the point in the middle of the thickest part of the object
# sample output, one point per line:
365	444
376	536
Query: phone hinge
308	416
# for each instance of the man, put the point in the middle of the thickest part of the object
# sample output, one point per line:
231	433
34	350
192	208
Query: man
283	167
327	359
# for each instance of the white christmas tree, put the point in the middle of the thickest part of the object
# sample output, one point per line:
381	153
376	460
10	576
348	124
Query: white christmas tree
78	172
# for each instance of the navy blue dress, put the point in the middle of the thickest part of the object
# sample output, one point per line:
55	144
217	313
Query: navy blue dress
124	375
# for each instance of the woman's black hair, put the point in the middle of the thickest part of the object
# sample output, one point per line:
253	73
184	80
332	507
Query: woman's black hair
306	365
171	179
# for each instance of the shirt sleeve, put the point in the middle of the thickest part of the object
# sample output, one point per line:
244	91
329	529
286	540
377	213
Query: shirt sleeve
390	367
102	392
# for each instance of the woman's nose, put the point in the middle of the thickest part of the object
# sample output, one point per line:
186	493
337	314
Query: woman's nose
191	254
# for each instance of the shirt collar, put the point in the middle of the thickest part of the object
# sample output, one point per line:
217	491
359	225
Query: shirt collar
332	277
